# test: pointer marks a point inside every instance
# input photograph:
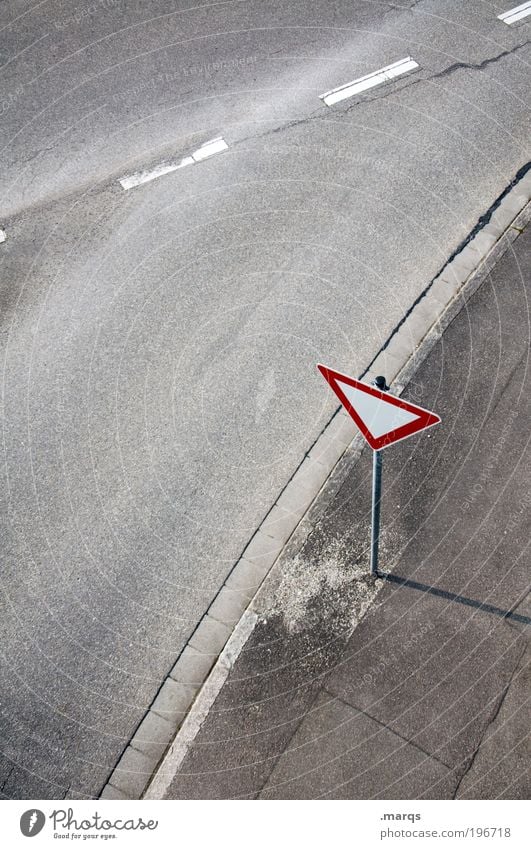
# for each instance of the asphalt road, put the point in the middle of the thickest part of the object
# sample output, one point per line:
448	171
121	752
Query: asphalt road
158	344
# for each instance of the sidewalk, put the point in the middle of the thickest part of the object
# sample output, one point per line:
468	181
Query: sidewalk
426	697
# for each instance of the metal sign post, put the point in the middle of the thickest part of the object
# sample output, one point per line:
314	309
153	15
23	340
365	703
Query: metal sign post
380	384
376	500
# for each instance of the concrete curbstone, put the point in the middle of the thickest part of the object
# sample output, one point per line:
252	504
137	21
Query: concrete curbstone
446	286
513	203
443	292
153	736
465	262
234	646
210	690
280	523
378	367
110	792
210	636
424	309
405	333
246	577
173	700
418	325
311	475
402	345
483	242
343	430
524	186
451	274
440	295
192	667
295	498
388	365
228	606
132	773
426	314
262	549
327	451
492	229
503	216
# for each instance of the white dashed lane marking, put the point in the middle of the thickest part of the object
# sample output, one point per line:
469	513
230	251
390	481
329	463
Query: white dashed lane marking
384	75
3	236
217	145
516	14
209	149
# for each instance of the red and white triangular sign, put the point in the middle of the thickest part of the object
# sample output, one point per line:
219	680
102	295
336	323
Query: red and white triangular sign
382	418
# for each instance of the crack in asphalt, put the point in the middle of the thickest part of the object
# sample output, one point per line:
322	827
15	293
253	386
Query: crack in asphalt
6	779
516	670
446	72
296	122
477	66
377	96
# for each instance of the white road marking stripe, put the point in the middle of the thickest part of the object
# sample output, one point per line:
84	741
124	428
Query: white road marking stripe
207	149
384	75
516	14
146	176
3	236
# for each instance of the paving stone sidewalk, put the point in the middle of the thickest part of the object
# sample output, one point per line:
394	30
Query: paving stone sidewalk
428	697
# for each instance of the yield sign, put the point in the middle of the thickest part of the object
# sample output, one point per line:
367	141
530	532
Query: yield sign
382	418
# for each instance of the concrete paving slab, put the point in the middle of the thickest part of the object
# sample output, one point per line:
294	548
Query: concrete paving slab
430	669
341	753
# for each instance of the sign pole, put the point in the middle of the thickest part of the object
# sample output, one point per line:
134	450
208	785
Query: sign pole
380	384
376	500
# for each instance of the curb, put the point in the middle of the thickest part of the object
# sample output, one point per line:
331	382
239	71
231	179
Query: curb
162	739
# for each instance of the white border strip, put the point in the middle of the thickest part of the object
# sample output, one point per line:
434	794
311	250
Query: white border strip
188	731
516	14
3	236
217	145
384	75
